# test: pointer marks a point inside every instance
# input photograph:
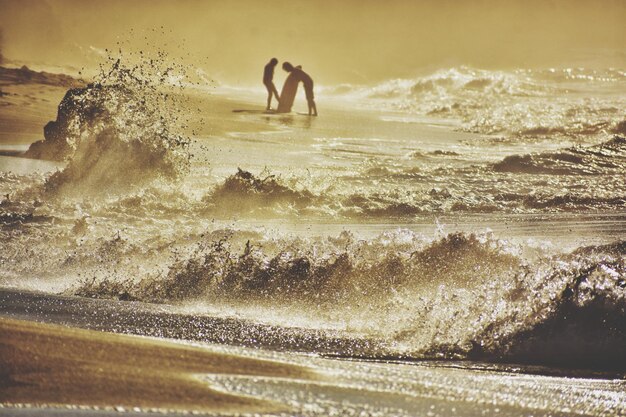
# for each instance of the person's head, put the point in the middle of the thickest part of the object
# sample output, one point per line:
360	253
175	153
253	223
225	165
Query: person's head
273	61
287	66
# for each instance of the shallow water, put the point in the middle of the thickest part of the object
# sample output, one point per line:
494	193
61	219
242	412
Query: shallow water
485	231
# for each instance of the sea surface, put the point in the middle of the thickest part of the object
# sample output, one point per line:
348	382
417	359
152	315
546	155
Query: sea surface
452	244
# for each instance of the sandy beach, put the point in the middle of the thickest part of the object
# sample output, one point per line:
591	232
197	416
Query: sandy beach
52	368
52	365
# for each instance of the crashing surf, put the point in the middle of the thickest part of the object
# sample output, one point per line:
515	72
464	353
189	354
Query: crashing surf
117	133
458	297
522	103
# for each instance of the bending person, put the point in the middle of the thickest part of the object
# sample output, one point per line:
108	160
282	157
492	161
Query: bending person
268	81
307	81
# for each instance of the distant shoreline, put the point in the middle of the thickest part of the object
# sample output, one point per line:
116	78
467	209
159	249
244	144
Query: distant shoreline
25	75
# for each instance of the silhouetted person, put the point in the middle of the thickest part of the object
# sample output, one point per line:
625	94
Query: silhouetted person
268	80
307	81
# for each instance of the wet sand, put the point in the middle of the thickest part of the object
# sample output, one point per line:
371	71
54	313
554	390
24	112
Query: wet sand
45	364
58	370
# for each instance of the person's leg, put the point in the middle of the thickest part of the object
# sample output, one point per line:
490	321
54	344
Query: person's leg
276	93
310	99
312	107
269	97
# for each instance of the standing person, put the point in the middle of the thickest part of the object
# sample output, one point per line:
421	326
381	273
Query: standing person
307	81
268	80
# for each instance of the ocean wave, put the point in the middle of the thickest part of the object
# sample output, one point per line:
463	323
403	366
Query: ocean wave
267	195
526	103
578	324
245	192
459	297
116	133
582	325
559	181
606	158
443	83
329	270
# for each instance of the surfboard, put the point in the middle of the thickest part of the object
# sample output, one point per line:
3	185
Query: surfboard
249	111
288	94
254	111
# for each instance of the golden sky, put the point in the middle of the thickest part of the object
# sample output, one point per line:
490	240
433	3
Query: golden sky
356	41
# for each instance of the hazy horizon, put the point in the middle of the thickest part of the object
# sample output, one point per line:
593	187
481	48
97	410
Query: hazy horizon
337	42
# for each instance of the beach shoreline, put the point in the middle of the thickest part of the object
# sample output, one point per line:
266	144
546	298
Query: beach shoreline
78	372
53	365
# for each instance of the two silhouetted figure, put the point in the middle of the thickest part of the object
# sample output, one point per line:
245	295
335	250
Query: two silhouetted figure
288	93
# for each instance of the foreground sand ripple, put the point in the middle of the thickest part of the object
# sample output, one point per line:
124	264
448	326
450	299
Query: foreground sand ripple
56	365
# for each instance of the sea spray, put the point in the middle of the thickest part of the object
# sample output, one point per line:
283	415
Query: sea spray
120	131
458	297
245	192
518	104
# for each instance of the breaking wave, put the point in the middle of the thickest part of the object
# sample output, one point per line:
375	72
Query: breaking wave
498	188
526	103
606	158
245	192
458	297
116	133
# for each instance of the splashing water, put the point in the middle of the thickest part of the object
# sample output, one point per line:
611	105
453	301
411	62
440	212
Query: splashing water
459	297
118	132
525	103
